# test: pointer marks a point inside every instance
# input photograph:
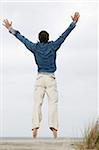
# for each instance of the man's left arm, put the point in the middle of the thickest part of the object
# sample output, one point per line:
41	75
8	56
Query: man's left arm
64	35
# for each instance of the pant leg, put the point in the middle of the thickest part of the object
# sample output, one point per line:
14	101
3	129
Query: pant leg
51	91
39	93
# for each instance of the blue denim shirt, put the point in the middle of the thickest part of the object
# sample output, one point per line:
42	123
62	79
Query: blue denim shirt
44	53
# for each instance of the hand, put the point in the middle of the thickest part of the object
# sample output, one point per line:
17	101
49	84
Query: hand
7	24
76	16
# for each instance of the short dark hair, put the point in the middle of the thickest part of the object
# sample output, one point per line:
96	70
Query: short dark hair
43	36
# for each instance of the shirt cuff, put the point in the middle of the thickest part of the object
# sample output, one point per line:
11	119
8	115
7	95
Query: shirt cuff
74	22
12	31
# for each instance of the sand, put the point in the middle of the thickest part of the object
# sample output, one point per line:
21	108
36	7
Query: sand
36	144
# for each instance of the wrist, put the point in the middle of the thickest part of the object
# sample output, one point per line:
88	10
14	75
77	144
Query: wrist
12	31
9	28
75	21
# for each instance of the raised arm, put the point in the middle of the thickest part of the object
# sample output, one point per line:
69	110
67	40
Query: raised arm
31	46
64	35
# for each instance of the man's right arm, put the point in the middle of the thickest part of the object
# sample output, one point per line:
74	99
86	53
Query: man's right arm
31	46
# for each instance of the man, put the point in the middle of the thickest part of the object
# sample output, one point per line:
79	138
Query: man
45	57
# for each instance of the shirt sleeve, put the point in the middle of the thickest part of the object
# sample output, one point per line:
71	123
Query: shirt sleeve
30	45
63	36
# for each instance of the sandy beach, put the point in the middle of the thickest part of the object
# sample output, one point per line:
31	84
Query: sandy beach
36	144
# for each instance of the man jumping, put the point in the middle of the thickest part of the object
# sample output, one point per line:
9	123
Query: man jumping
45	57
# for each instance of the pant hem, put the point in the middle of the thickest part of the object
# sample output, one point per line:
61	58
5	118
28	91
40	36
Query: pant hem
53	128
35	128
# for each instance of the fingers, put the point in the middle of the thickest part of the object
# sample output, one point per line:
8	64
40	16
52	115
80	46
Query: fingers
3	24
6	23
3	21
11	23
72	18
75	17
76	14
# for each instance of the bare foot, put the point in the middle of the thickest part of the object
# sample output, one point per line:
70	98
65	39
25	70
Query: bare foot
34	132
54	131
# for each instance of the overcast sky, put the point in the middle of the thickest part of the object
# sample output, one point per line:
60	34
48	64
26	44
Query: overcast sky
76	66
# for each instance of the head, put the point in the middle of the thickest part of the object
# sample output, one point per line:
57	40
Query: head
43	37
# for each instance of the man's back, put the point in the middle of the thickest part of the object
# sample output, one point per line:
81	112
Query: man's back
45	57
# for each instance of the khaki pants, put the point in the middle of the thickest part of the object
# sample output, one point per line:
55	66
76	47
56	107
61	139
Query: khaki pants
45	83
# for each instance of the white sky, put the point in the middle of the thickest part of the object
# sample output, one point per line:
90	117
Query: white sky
76	66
